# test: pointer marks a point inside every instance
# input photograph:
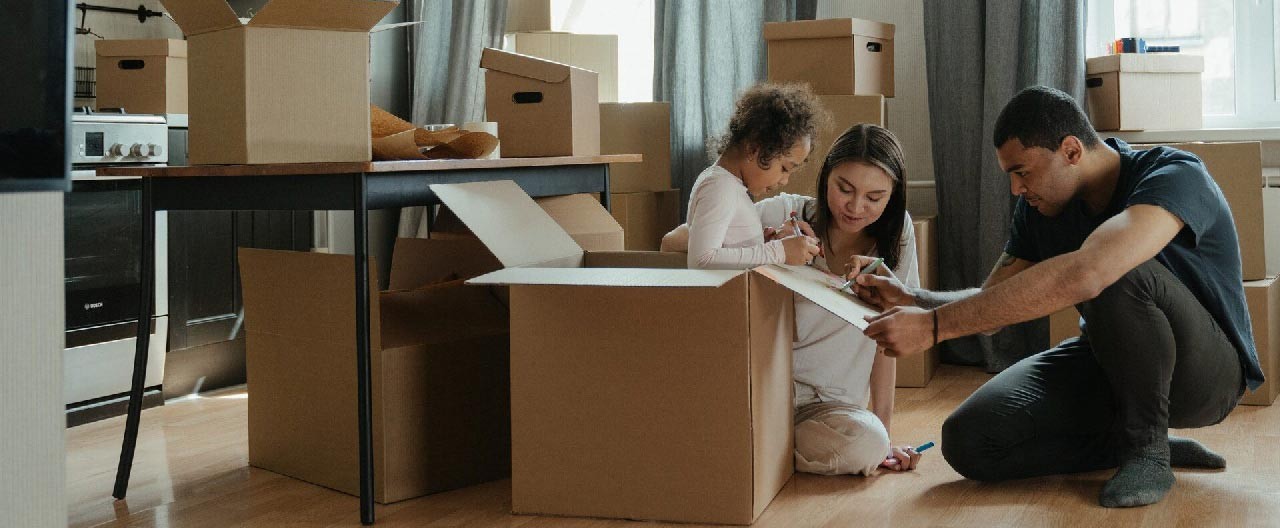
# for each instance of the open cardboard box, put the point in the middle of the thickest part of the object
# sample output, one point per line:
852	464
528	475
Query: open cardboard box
639	393
439	364
290	85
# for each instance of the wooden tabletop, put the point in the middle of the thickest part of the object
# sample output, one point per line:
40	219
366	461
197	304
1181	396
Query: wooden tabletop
293	169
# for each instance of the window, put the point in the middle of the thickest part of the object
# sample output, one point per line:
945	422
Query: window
1237	38
632	22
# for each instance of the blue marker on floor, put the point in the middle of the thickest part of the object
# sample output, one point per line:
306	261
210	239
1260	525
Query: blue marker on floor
924	446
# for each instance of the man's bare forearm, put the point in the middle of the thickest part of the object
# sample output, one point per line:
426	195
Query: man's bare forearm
933	299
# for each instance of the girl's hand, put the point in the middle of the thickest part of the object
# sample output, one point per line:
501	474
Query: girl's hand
902	458
800	249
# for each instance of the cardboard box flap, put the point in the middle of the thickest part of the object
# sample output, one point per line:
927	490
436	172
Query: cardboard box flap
201	16
661	278
820	288
510	223
417	262
525	65
141	48
580	214
827	28
1145	63
339	15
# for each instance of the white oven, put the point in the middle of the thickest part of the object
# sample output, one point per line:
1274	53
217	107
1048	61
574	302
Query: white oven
103	229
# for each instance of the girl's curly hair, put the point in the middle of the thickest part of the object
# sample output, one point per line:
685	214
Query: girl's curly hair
770	118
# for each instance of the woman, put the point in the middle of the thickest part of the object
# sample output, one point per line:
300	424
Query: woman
843	388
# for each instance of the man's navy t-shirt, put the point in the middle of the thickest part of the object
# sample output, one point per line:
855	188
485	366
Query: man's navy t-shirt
1205	255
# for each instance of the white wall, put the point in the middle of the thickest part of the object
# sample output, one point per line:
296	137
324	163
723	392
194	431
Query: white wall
32	423
908	110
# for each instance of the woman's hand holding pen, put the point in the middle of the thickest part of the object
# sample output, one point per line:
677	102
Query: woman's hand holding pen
800	249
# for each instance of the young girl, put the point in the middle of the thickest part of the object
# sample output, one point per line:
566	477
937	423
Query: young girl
843	388
769	136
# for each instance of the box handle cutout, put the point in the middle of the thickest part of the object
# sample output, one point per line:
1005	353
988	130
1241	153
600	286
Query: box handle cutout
873	47
1093	82
527	97
132	64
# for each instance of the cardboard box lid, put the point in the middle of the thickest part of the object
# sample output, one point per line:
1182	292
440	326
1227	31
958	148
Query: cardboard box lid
828	28
203	16
141	48
526	66
1145	63
662	278
511	224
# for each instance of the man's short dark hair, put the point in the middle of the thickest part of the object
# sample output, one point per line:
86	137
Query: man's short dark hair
1041	116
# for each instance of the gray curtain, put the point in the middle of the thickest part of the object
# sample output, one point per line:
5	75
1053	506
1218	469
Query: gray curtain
705	53
980	53
448	84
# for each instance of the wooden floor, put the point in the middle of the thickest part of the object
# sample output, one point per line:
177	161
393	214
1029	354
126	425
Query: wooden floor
191	472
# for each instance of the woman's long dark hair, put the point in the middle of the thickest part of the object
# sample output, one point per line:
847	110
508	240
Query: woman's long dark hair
879	147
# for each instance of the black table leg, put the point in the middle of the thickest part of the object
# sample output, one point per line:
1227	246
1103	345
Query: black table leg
147	296
364	382
604	195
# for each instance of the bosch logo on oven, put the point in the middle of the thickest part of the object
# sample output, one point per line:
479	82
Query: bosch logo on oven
92	306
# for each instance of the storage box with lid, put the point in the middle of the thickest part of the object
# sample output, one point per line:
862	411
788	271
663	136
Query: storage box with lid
1145	91
839	56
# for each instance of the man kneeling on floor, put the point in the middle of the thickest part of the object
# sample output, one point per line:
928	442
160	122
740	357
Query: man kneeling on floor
1142	242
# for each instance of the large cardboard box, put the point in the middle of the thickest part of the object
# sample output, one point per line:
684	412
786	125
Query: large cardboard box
917	370
543	108
637	128
839	56
142	76
602	419
1237	168
289	86
439	362
1145	91
1263	297
528	15
597	53
645	217
846	111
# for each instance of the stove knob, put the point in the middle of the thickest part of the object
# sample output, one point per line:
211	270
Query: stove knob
154	150
136	150
116	150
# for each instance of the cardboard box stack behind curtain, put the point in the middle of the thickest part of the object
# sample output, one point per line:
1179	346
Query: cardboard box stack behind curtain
839	56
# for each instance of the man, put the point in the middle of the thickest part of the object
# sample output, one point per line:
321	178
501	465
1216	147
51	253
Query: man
1142	242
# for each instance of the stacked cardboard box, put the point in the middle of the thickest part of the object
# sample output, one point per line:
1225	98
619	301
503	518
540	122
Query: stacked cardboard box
530	31
848	62
1148	91
642	198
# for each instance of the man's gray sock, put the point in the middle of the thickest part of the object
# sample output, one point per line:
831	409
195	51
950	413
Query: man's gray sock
1144	477
1188	453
